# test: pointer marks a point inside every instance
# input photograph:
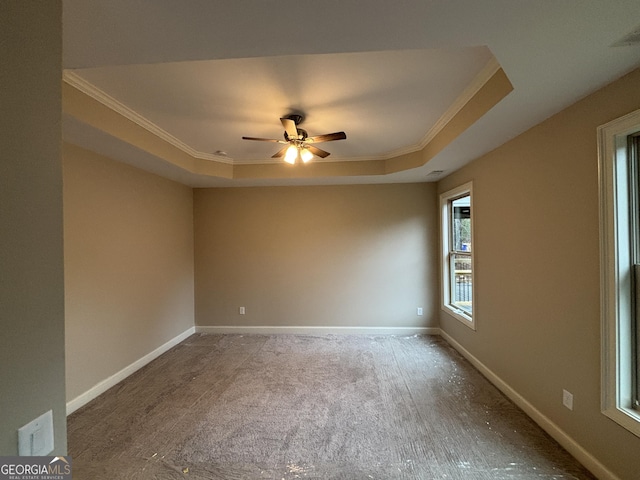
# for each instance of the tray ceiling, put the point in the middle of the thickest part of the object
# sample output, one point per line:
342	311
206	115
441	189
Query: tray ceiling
198	76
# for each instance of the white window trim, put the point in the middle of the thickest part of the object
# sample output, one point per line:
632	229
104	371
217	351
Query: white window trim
615	287
445	284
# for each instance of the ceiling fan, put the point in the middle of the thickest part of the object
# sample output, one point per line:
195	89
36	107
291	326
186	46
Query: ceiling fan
298	142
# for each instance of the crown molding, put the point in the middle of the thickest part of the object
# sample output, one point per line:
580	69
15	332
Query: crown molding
481	78
107	100
94	92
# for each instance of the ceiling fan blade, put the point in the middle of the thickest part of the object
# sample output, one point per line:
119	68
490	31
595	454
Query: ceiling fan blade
317	151
328	137
290	127
264	139
281	152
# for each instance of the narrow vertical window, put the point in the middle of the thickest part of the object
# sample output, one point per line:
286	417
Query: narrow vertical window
460	254
634	247
619	166
457	253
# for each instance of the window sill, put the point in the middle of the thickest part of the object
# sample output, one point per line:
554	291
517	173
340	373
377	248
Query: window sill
460	315
625	417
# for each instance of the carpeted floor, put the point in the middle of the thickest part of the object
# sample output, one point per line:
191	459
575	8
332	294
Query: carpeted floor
311	407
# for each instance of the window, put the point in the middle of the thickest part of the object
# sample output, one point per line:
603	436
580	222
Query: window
634	228
619	166
457	253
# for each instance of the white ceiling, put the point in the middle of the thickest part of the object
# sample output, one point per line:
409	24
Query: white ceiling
208	72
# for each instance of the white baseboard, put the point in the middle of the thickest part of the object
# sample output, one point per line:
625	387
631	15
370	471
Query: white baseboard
320	330
583	456
107	383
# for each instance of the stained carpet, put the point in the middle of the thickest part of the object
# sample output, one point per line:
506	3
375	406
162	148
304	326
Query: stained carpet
311	407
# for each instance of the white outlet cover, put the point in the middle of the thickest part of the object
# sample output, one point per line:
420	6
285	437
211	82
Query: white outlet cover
567	399
35	439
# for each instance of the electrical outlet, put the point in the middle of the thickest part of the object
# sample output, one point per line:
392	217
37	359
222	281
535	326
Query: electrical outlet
419	310
242	311
567	399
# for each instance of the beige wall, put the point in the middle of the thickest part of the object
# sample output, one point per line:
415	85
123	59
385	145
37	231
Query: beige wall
537	274
31	268
128	265
359	255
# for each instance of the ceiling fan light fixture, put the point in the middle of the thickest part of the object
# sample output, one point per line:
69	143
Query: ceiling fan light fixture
291	155
295	141
305	155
